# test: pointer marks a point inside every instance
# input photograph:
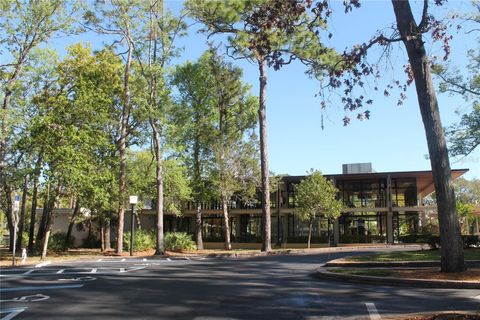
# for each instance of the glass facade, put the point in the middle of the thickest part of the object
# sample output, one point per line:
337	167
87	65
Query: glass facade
363	194
366	222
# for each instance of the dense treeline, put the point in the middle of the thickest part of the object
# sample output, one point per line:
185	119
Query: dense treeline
87	129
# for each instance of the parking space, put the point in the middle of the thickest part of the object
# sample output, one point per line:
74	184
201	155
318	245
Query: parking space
27	287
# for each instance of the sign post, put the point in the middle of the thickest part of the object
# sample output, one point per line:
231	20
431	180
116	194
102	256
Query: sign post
16	208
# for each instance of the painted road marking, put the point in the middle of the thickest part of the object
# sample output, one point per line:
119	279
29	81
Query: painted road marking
68	286
123	260
79	279
168	259
144	259
93	270
372	310
99	260
28	272
43	264
12	312
32	298
60	271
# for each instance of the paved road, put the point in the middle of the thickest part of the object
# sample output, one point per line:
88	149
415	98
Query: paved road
272	287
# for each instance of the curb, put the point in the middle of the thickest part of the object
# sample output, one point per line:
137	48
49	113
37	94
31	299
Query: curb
395	264
293	251
322	273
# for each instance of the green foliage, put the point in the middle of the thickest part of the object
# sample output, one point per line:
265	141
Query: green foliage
178	241
56	242
141	180
316	195
143	240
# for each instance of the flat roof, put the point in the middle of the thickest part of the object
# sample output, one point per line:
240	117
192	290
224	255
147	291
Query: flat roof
424	178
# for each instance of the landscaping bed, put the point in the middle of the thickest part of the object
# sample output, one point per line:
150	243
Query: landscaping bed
421	255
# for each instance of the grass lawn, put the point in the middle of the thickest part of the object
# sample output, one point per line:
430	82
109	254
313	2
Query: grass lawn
472	274
422	255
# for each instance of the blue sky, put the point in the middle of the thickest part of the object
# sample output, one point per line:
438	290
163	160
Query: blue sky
393	139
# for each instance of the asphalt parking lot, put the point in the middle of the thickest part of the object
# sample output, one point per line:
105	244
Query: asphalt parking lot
269	287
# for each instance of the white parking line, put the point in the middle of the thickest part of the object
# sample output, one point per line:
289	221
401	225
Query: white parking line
372	310
12	312
43	264
68	286
60	271
28	272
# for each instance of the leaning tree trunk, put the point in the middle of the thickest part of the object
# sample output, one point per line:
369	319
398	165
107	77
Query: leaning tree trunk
262	118
226	225
123	151
452	257
76	210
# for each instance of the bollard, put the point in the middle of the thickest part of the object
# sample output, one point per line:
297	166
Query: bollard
24	255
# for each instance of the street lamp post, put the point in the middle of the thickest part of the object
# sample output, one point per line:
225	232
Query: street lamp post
133	202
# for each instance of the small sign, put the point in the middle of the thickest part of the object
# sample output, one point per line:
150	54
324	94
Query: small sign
133	199
16	203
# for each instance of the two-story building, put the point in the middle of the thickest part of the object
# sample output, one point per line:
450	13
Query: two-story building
378	207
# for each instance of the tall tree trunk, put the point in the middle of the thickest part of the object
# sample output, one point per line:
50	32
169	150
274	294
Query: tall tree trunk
9	214
33	211
160	245
198	226
101	222
76	210
226	225
452	257
262	117
198	201
107	235
310	227
123	151
23	209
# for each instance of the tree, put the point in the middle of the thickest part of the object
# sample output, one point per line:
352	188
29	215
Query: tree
263	32
354	67
464	137
316	195
467	193
234	145
120	18
194	118
153	55
25	26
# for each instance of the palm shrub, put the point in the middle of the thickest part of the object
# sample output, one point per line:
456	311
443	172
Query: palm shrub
143	240
178	241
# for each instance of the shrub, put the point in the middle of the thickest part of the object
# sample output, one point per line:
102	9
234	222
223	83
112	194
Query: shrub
471	241
91	241
415	238
178	241
56	243
143	240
